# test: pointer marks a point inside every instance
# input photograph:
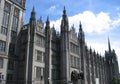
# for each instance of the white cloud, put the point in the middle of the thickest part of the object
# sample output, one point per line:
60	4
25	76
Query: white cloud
92	22
52	8
56	24
98	23
117	8
116	22
96	45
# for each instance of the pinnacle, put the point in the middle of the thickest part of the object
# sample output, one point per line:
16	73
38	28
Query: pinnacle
80	26
109	47
47	18
64	11
33	10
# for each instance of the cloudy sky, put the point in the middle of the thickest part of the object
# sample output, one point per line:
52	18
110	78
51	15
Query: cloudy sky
100	19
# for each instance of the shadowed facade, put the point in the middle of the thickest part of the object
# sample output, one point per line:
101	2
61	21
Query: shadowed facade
34	54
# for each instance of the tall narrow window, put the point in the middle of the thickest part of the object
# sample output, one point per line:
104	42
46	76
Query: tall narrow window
40	41
43	56
15	25
11	49
5	20
71	60
1	62
10	78
11	64
38	72
39	56
74	61
78	62
2	46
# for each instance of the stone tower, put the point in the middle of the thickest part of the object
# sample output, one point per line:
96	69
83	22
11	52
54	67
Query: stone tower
64	64
81	39
47	53
30	48
112	68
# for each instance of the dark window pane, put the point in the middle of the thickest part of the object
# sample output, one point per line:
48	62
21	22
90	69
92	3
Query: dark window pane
2	46
1	62
5	20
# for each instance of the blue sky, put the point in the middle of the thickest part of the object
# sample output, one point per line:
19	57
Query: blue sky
100	19
54	8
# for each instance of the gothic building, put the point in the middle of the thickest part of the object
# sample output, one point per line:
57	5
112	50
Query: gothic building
34	54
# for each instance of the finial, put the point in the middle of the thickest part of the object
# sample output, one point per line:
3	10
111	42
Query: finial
90	49
64	7
94	52
109	47
47	18
97	54
32	17
80	26
33	10
64	11
41	18
47	21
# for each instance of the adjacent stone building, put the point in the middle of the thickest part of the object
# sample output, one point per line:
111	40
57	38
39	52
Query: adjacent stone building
34	54
11	21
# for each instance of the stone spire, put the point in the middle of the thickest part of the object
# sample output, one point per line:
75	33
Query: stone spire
80	26
47	27
64	11
33	18
33	14
81	34
109	46
47	51
64	21
31	36
90	50
64	48
47	21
